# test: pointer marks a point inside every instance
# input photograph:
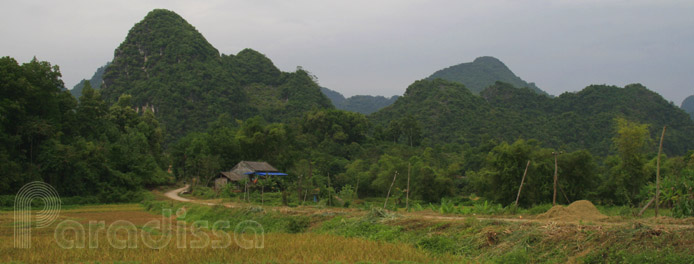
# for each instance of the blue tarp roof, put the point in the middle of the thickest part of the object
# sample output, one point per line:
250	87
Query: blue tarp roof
266	173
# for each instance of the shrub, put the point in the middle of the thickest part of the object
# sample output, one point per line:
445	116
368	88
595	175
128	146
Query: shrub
684	208
438	244
297	224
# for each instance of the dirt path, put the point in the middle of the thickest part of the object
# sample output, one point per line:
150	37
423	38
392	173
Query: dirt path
174	195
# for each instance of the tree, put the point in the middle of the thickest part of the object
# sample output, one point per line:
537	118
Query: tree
411	130
628	176
500	176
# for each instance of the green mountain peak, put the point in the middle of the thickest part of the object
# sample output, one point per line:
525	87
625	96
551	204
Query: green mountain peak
167	66
163	33
481	73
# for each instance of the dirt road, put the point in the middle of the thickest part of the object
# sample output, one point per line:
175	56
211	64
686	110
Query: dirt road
174	195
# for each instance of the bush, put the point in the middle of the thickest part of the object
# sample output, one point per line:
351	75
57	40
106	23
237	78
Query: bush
684	208
297	224
6	201
438	244
203	192
538	209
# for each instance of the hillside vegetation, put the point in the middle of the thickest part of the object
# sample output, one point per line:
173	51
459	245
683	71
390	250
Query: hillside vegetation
481	73
95	81
365	104
449	112
169	67
688	105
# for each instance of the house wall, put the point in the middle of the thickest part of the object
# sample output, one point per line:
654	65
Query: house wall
220	182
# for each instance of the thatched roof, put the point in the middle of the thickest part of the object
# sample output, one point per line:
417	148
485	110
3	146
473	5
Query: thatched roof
238	173
233	176
257	166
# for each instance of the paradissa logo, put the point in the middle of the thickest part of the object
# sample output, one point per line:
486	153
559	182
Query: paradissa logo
121	234
23	218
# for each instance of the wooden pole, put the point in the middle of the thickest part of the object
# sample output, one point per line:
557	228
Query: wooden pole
330	193
300	185
356	189
391	187
522	180
566	197
407	197
554	197
645	207
657	174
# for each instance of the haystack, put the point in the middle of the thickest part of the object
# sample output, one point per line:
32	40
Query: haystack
579	210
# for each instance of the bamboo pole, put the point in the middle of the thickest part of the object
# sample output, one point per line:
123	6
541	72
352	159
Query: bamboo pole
407	197
566	197
556	169
330	193
522	180
645	207
300	185
391	187
356	189
657	174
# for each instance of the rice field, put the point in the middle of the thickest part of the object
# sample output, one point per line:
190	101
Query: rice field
270	248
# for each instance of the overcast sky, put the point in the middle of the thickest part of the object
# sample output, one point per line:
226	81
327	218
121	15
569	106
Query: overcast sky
380	47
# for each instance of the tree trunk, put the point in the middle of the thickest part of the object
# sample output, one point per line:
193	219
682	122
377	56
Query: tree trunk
407	197
522	180
657	174
391	187
554	196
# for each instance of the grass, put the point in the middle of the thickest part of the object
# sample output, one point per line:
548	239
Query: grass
278	247
623	239
300	235
521	242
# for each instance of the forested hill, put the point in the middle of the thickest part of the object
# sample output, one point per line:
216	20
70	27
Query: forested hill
365	104
688	105
481	73
169	67
447	111
95	81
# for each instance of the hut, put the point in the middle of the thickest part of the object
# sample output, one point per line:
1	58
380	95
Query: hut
245	170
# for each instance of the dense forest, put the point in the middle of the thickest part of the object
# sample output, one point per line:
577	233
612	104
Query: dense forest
171	108
365	104
84	148
481	73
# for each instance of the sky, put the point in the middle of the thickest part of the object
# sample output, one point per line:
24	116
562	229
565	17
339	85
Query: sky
380	47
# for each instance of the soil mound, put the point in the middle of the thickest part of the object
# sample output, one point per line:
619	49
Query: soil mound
578	210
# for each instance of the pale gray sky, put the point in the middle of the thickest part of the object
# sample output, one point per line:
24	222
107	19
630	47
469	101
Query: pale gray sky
380	47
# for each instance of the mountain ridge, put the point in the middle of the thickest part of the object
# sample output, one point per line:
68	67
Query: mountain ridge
483	72
95	81
449	112
365	104
688	105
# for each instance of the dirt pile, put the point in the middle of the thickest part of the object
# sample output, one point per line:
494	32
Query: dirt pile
578	210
